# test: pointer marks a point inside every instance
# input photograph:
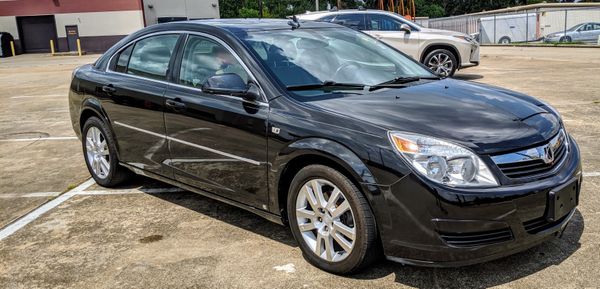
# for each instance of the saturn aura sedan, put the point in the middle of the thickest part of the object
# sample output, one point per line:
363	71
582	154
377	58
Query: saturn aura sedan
360	149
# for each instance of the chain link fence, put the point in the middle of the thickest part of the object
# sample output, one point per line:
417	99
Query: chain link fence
551	25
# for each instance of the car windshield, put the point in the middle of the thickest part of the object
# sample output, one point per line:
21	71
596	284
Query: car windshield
335	56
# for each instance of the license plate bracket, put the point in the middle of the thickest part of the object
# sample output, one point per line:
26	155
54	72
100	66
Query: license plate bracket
562	200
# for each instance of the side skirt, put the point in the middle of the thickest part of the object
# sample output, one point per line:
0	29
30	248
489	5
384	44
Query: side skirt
267	215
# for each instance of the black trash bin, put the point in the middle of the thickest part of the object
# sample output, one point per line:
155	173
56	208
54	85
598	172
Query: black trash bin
5	39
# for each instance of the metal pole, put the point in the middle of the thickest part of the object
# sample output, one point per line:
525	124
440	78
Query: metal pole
526	26
494	29
316	5
260	9
12	48
565	32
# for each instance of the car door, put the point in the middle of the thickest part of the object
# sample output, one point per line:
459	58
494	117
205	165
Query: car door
387	29
217	142
133	97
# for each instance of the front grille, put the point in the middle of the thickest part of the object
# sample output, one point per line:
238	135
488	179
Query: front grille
477	238
534	161
540	224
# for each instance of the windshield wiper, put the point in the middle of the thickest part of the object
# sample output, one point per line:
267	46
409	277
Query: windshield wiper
399	81
324	85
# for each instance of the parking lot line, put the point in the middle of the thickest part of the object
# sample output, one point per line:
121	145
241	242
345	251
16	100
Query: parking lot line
130	191
31	216
591	174
39	138
30	195
37	96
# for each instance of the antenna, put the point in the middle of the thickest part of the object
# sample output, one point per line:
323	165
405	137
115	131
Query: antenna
294	23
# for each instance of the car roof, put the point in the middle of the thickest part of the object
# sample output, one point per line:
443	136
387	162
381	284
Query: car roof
252	24
312	15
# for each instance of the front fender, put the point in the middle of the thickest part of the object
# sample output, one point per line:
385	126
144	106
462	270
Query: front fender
334	152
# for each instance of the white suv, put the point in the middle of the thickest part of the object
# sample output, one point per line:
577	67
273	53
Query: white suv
442	51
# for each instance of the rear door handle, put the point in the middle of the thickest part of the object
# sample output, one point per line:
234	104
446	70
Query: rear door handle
109	88
175	104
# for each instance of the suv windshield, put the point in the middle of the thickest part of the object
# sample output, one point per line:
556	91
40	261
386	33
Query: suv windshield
314	58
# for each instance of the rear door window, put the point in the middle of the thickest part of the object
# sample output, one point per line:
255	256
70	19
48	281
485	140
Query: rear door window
151	56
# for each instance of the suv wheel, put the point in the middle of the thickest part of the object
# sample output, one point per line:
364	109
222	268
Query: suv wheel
101	154
331	220
442	62
504	40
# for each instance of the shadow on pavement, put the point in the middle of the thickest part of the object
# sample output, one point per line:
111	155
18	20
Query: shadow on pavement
483	275
467	76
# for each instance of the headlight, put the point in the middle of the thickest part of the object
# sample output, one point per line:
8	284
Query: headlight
443	162
466	38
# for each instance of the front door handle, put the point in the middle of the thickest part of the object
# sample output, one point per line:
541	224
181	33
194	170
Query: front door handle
175	104
109	88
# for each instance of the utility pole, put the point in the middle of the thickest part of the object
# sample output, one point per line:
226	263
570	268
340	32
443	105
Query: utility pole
316	5
339	4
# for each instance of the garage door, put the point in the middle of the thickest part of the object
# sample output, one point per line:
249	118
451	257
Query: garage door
35	33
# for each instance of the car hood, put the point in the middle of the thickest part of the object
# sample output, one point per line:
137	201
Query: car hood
484	118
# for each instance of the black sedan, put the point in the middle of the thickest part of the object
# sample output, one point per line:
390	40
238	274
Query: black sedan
361	150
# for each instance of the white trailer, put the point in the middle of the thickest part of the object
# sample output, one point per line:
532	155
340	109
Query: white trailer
505	29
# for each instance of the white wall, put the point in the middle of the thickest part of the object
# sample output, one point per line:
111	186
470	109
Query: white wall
9	24
101	23
192	9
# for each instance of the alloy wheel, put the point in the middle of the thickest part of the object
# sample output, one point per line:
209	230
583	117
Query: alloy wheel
97	152
441	64
325	220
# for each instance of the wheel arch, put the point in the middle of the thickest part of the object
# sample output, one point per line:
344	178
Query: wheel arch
91	107
433	46
318	151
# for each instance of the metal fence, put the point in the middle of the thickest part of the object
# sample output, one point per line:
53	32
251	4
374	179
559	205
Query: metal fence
579	25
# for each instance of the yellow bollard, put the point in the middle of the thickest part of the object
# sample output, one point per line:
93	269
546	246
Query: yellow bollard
12	48
78	46
52	46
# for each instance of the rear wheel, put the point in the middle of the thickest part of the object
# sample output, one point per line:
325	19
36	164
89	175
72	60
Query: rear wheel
331	220
100	154
504	40
442	62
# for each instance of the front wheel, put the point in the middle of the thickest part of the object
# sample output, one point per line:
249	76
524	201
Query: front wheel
331	220
100	152
442	62
565	39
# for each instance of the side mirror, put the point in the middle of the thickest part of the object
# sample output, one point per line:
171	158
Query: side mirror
231	84
405	28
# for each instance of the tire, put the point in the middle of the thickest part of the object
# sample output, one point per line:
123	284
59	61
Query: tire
105	175
365	246
565	39
504	40
442	62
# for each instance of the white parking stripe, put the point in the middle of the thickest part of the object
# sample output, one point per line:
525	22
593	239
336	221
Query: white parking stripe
29	195
39	138
591	174
131	191
38	96
23	221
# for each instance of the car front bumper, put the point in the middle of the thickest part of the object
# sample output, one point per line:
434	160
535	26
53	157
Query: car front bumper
432	225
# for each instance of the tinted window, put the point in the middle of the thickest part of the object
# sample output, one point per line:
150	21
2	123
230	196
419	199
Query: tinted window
327	18
123	59
150	57
203	58
384	23
354	21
